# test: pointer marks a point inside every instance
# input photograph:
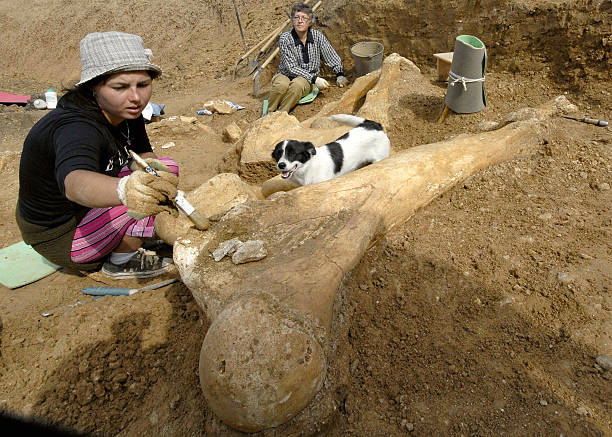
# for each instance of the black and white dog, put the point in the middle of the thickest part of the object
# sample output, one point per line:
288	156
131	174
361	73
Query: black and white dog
304	164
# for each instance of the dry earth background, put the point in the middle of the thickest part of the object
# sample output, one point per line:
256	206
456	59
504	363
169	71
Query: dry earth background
484	314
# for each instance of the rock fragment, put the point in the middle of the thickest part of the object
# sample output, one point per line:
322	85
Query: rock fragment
232	133
226	248
252	250
487	126
564	278
605	361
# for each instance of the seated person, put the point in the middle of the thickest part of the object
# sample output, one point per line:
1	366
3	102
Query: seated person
301	51
83	203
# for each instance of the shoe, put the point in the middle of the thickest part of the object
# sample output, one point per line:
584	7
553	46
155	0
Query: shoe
144	264
160	247
153	245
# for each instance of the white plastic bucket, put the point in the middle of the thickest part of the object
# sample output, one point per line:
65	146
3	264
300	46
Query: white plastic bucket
367	56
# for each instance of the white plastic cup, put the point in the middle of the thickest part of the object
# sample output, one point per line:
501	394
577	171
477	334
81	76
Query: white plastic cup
51	98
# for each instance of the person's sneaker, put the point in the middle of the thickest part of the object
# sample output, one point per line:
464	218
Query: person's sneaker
160	247
144	264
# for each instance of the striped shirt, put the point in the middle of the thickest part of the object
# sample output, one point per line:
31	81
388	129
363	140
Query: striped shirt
297	59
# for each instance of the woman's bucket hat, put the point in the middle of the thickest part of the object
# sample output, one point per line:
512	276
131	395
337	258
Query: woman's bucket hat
113	52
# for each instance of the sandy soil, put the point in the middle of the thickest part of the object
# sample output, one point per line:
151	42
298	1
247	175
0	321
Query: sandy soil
485	314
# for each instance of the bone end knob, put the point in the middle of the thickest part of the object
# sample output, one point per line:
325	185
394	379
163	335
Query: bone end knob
260	363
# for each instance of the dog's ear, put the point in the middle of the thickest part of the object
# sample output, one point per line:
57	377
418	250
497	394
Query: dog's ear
278	151
310	148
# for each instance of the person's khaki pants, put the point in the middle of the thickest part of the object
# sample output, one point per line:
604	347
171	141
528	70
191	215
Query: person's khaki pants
286	93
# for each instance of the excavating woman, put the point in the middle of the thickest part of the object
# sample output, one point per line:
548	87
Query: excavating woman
83	203
301	52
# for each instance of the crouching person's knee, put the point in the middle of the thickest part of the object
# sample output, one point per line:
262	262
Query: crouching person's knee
299	86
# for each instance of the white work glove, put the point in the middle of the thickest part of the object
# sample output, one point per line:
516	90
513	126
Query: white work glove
342	81
145	194
321	83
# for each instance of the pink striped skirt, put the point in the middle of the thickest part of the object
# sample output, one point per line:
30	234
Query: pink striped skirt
102	229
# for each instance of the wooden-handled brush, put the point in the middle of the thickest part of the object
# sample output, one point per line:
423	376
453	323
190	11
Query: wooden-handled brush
180	200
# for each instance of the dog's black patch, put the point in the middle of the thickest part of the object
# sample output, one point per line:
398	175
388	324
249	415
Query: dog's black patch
278	151
363	164
337	156
299	151
343	137
371	125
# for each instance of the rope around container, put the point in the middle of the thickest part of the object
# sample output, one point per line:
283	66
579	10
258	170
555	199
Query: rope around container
454	78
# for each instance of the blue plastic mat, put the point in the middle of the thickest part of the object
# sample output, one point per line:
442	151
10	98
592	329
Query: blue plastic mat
21	265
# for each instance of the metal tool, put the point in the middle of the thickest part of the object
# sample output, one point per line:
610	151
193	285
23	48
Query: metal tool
62	308
256	80
240	27
267	41
180	200
252	64
117	291
587	120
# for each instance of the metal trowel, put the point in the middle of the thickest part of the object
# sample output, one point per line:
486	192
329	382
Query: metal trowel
116	291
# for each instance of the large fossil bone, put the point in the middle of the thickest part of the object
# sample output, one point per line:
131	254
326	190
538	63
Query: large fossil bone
265	354
263	357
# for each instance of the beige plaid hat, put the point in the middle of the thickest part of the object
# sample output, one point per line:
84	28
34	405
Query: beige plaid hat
113	52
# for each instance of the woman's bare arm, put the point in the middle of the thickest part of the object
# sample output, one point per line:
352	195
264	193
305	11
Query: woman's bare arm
96	190
91	189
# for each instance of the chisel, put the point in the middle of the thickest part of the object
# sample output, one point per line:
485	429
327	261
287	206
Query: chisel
116	291
180	200
588	120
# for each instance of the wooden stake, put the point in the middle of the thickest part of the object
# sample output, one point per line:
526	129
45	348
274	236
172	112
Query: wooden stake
443	116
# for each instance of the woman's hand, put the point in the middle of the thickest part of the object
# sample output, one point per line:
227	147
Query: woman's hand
146	194
321	83
96	190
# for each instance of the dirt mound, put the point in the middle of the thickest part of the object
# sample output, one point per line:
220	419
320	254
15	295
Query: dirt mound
195	40
482	315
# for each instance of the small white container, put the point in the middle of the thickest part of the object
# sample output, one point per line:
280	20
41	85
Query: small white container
51	98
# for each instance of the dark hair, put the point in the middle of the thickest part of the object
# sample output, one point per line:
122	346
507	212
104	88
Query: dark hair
302	7
83	95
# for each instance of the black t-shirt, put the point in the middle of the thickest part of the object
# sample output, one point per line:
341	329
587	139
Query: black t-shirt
71	138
